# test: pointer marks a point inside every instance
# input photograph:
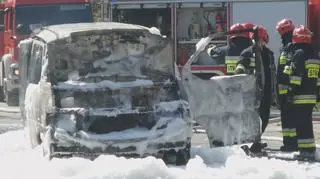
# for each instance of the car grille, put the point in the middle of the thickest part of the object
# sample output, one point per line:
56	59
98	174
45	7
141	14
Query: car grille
127	97
95	99
105	124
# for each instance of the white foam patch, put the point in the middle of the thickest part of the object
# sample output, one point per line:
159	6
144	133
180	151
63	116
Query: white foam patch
19	161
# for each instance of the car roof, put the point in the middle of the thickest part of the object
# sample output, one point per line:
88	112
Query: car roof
55	32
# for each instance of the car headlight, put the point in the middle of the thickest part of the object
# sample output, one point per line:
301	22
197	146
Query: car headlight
15	69
16	72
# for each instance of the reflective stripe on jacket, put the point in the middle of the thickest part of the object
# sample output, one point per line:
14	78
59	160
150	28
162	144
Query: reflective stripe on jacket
231	63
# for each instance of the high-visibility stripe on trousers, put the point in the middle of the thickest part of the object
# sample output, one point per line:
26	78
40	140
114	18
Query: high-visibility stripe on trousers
289	132
288	125
305	99
302	114
306	143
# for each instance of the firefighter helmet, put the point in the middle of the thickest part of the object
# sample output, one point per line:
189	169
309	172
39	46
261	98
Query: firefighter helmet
302	34
248	25
284	26
262	33
238	26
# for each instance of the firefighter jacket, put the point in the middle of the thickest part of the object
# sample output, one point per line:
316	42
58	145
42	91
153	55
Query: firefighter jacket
284	59
304	76
231	52
246	64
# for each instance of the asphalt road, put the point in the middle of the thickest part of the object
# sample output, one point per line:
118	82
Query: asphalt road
9	118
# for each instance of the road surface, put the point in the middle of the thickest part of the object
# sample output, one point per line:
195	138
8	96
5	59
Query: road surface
9	118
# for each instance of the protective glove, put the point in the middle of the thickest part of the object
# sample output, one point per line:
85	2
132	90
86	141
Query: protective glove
287	70
239	71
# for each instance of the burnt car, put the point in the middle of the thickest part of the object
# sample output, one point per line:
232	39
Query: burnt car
103	88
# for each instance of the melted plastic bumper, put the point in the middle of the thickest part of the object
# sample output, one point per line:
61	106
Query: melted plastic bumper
131	142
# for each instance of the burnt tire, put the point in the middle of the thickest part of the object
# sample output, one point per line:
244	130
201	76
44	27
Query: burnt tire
180	157
12	98
1	94
183	156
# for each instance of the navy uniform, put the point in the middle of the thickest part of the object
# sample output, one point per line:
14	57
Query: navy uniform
303	90
285	29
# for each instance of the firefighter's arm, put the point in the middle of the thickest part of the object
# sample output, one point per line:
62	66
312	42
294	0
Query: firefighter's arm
217	55
244	62
213	50
296	69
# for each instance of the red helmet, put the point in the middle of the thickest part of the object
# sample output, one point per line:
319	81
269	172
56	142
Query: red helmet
285	26
262	34
302	34
248	25
238	26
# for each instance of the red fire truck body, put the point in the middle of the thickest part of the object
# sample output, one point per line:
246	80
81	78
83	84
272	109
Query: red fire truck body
186	21
22	18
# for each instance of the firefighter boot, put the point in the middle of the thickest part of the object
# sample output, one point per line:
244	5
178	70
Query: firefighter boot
290	144
306	155
257	147
287	148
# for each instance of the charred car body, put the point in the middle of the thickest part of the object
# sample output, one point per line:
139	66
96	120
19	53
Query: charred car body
103	88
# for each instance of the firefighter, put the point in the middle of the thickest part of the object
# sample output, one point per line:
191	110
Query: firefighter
285	29
246	64
303	90
230	53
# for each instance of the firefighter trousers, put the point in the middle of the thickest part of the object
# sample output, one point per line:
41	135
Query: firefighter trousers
302	114
288	124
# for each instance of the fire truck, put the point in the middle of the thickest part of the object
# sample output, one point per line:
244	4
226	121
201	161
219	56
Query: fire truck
186	21
1	28
21	18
